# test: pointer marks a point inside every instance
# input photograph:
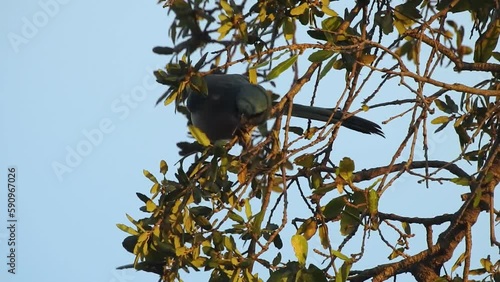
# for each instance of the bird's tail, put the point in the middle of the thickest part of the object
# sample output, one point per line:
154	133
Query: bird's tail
325	114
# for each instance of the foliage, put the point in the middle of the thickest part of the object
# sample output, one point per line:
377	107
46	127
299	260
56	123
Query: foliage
225	212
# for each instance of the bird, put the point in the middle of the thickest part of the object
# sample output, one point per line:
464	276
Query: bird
233	103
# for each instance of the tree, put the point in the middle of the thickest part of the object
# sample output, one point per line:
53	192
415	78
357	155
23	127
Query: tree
226	211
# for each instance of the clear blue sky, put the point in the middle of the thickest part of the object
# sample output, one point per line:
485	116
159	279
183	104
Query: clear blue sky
76	79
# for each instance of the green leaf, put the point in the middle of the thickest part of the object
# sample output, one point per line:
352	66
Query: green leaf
234	216
305	160
451	104
257	222
373	202
463	181
345	169
487	42
198	84
320	56
340	255
316	180
289	28
342	275
278	243
496	55
317	34
304	17
201	211
299	244
142	197
230	244
203	222
297	130
328	66
334	207
442	106
281	67
385	21
277	259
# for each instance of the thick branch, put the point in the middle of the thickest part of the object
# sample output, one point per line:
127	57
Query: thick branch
440	219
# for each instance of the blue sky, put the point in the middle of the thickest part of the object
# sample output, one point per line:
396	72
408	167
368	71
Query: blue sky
79	124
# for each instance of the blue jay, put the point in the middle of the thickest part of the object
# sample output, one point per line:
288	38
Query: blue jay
234	103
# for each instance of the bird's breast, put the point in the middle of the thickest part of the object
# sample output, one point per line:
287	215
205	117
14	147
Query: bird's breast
217	125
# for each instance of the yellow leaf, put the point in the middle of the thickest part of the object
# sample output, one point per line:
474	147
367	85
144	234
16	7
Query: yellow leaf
252	75
224	29
368	59
299	244
171	98
323	236
150	206
163	167
299	10
311	228
155	188
149	176
327	10
199	135
441	119
227	8
242	175
289	28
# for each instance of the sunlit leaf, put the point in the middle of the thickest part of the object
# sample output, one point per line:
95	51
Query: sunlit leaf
127	229
299	244
458	262
373	202
163	167
323	236
406	227
199	135
441	119
340	255
299	10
